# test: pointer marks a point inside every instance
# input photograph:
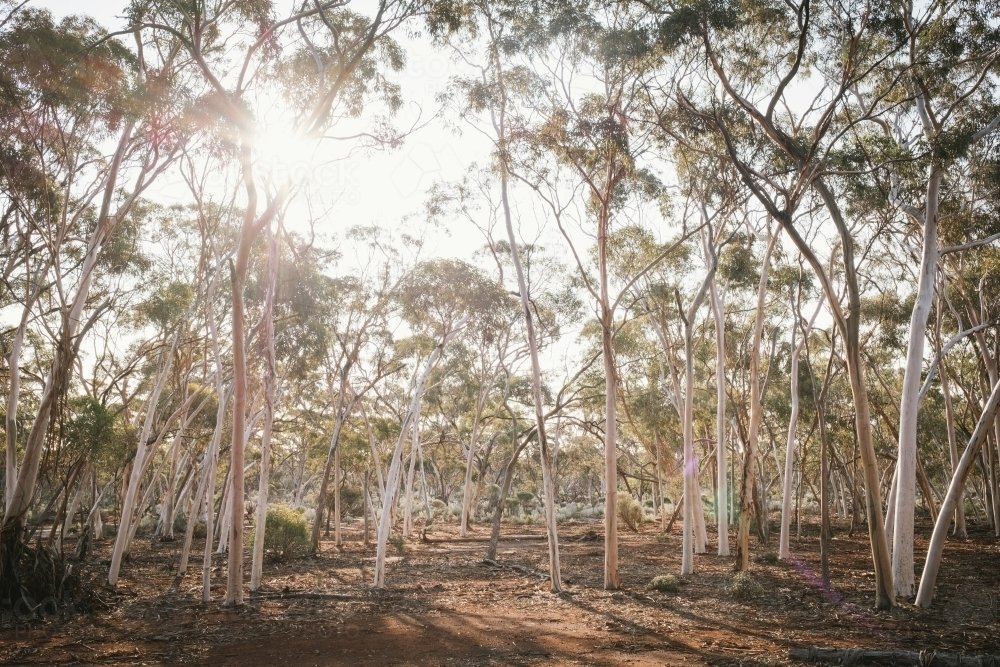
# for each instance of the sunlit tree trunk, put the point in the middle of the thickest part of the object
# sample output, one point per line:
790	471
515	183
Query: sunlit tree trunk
932	563
909	404
396	463
750	456
717	298
270	380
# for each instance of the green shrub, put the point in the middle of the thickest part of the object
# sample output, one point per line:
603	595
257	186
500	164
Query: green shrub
629	512
286	534
744	586
664	583
768	557
399	543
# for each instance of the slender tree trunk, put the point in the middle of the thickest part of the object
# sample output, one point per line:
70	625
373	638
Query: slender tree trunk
784	552
546	455
909	404
410	474
270	380
337	538
340	415
396	462
756	410
932	563
722	484
139	466
463	528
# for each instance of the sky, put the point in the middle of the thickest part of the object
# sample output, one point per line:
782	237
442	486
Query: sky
385	188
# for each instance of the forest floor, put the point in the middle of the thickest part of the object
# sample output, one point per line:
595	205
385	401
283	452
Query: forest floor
444	606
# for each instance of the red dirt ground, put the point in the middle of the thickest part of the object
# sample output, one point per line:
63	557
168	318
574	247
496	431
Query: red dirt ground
444	606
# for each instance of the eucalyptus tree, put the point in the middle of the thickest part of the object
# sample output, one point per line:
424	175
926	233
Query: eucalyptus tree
751	107
596	153
440	298
929	104
335	64
70	94
359	353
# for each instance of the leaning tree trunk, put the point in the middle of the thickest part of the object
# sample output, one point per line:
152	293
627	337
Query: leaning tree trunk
139	466
396	464
932	563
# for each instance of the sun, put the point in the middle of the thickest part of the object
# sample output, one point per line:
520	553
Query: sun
286	154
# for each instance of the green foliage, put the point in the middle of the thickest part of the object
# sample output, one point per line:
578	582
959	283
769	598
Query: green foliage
286	534
630	512
768	558
93	431
398	543
744	586
664	583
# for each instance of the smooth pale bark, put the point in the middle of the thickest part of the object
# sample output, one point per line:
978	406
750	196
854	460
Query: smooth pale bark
394	475
270	380
19	499
784	551
201	501
336	498
138	465
165	526
756	412
909	403
234	580
932	563
949	410
410	474
717	297
611	576
499	117
463	529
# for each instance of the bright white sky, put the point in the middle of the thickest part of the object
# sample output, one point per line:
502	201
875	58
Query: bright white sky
384	188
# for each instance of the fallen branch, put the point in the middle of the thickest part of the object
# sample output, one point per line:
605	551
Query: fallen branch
925	658
425	538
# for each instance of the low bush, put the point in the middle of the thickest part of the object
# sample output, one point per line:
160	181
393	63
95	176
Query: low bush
630	512
664	583
744	586
768	558
286	533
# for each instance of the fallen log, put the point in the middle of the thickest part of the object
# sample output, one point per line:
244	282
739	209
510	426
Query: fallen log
861	656
426	538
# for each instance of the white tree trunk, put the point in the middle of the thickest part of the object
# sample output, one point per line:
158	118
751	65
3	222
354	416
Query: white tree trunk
396	464
270	380
138	466
721	465
463	528
756	413
932	563
784	551
909	404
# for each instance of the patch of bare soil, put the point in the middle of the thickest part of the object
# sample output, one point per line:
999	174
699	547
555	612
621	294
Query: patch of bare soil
444	606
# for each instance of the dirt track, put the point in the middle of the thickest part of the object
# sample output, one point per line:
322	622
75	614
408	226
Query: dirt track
444	606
